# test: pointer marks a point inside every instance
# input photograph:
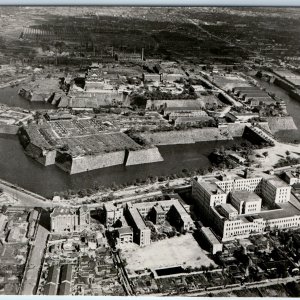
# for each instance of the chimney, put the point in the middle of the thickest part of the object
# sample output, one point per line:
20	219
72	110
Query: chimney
142	53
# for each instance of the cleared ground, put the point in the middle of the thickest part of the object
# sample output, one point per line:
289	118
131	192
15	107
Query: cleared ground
183	250
276	153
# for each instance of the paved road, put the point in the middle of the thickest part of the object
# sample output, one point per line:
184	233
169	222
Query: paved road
25	198
35	261
219	38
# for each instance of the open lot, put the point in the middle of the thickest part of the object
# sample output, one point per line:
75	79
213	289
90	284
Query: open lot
182	250
276	153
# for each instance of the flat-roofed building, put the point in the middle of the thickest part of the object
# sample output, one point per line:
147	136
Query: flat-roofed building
276	190
158	214
180	218
211	240
125	235
141	233
70	219
207	193
291	177
247	218
184	111
245	202
228	211
151	77
252	184
112	213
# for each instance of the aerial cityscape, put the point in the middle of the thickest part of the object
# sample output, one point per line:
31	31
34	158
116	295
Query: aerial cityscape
150	151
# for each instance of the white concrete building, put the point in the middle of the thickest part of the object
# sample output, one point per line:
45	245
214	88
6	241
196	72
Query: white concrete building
276	190
245	202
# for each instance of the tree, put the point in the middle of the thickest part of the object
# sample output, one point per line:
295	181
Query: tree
118	224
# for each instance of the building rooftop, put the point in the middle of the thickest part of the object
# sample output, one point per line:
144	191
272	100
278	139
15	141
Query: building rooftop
158	208
53	274
64	288
210	186
66	273
245	196
275	181
228	208
125	230
210	235
183	108
60	211
287	210
50	289
138	219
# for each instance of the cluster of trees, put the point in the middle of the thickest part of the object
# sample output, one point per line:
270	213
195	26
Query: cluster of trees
69	194
137	137
140	100
200	124
288	161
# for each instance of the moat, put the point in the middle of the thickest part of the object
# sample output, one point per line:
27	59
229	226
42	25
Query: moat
17	168
20	169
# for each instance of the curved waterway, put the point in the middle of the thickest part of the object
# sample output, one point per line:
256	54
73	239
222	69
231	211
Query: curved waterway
293	108
9	96
18	168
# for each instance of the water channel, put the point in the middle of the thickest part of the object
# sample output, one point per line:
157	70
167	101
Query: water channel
20	169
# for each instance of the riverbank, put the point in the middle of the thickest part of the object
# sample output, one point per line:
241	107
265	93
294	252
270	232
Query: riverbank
18	168
12	83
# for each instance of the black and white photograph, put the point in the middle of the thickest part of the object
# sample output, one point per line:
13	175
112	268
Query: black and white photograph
150	151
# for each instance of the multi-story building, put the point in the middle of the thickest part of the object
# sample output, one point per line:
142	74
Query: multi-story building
252	184
291	177
141	233
158	214
112	213
125	235
179	217
69	219
207	194
211	240
245	202
244	216
228	211
172	209
276	190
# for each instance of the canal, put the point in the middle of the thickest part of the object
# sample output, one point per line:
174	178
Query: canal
9	96
18	168
293	108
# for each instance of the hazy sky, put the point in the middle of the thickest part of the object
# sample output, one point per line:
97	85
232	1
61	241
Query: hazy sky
156	2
